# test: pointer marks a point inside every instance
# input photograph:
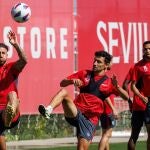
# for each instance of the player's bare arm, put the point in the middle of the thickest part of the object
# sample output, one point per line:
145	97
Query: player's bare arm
66	82
136	92
20	64
114	111
124	94
125	85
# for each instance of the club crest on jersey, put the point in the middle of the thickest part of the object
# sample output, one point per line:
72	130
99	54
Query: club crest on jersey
145	68
87	79
104	85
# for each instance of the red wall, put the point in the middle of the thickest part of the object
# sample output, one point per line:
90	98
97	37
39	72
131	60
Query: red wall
47	40
118	26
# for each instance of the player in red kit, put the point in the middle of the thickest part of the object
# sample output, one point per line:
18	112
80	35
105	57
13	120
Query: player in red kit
9	100
85	110
108	122
140	86
126	86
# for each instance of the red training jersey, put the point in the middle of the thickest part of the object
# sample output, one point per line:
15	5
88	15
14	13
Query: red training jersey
129	74
8	82
90	105
141	74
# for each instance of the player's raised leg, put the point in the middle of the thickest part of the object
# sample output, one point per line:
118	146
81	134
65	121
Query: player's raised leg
63	97
12	108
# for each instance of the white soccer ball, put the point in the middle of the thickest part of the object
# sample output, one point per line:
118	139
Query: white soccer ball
21	12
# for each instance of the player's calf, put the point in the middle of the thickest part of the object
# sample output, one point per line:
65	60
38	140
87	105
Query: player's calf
9	114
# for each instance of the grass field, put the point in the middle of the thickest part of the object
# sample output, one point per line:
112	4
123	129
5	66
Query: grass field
113	146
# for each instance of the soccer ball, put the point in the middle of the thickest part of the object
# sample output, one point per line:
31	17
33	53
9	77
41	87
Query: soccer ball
21	12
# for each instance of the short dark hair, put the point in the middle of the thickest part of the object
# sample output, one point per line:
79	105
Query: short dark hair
146	42
4	46
104	54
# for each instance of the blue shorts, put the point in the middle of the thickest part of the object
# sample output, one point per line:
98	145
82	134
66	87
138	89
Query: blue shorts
85	128
107	121
2	127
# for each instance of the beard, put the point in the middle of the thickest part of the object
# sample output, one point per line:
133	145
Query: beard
2	62
146	57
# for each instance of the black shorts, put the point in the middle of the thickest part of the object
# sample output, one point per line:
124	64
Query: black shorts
2	127
107	121
138	118
147	113
85	128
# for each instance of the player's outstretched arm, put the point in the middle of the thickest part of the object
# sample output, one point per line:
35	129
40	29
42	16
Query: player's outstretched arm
75	82
137	92
22	56
124	94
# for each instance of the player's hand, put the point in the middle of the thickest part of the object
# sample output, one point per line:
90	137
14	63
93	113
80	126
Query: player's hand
12	38
77	82
115	114
145	100
114	80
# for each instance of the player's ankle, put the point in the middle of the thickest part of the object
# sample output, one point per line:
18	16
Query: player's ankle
49	109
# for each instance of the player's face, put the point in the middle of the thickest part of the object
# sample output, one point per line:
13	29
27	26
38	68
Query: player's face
146	51
99	64
3	55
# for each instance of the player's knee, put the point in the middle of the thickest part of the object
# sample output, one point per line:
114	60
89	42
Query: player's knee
108	135
133	139
148	136
12	93
12	96
64	92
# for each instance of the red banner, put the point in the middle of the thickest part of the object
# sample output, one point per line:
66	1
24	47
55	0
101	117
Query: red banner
117	26
47	40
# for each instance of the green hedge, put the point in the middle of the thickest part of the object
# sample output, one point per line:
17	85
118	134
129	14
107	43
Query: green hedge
36	127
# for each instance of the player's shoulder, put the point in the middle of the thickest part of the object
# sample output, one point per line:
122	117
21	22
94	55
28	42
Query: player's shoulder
85	71
140	63
108	79
10	64
131	67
